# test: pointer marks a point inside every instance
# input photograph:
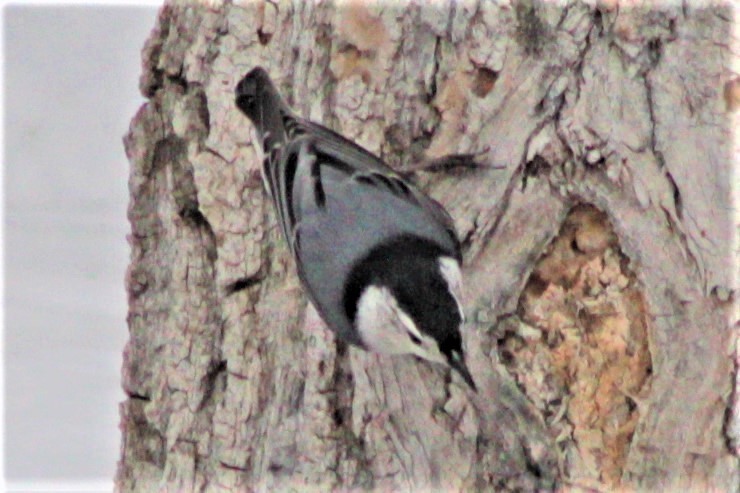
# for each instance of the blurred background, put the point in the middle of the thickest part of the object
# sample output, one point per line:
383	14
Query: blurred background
70	89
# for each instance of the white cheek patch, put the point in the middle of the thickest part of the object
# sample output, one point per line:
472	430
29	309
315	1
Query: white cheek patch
408	323
386	329
428	348
450	270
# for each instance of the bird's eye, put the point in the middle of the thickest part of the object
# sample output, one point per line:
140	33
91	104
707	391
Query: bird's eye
246	101
414	338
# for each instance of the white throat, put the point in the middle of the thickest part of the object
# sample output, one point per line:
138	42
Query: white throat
385	328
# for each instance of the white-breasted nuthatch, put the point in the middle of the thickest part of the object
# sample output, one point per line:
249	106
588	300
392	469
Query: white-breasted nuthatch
378	258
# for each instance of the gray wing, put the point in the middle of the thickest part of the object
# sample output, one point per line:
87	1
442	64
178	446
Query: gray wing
313	149
340	203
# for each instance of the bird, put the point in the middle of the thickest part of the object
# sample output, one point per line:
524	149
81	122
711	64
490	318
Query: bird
378	258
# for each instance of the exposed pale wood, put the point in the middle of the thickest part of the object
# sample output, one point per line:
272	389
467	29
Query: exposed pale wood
234	384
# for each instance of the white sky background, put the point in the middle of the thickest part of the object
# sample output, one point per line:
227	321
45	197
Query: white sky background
70	90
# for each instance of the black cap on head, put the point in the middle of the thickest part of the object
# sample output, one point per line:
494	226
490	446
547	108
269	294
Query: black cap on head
258	98
250	91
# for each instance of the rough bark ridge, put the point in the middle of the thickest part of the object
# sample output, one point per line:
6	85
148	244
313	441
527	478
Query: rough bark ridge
599	244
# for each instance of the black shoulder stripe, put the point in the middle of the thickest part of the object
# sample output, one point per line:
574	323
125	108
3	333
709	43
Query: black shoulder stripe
318	187
364	179
385	180
403	187
394	185
290	169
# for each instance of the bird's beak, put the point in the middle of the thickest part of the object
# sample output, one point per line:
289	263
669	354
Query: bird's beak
458	364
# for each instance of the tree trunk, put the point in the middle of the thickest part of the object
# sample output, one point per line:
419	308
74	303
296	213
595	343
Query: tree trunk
599	246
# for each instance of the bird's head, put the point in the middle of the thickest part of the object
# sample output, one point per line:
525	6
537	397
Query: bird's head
251	90
405	298
258	98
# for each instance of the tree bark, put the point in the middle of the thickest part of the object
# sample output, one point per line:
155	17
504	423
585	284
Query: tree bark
599	234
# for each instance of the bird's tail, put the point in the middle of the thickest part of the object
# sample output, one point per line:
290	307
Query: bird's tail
258	98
